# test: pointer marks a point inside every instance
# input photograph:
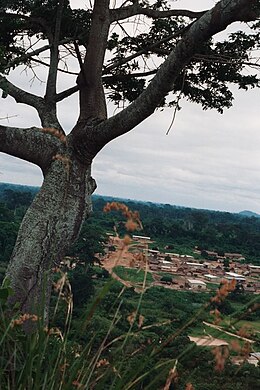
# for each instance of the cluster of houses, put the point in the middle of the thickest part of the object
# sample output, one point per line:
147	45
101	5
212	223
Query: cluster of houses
193	274
186	272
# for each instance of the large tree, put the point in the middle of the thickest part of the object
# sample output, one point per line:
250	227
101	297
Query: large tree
109	59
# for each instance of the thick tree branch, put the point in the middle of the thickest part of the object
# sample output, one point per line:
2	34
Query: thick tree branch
46	112
217	19
79	58
197	57
31	144
92	99
54	58
136	9
46	108
68	92
49	117
20	95
123	76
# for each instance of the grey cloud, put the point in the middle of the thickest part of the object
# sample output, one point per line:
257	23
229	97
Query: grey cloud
14	170
208	160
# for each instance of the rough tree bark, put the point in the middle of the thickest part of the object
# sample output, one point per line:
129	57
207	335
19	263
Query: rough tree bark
53	221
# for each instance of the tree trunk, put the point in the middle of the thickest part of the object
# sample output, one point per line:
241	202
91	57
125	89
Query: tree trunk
53	221
49	228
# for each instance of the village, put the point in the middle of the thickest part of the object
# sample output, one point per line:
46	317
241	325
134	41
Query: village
185	273
180	271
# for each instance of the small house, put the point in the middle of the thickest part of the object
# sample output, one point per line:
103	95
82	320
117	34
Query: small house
196	284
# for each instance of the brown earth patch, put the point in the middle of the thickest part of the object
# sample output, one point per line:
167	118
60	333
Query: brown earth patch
206	341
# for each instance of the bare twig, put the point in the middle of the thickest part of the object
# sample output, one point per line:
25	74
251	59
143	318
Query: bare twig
145	50
177	104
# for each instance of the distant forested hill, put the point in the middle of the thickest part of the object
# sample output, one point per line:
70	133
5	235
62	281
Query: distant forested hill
247	213
16	188
181	227
184	228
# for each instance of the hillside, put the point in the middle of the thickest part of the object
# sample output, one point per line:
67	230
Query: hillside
180	227
247	213
131	330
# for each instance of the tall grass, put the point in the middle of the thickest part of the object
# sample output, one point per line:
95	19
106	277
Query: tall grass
75	356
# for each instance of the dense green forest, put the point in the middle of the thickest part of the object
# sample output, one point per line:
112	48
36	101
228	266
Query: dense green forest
184	228
180	227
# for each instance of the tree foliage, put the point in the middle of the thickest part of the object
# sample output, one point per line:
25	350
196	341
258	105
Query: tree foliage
205	80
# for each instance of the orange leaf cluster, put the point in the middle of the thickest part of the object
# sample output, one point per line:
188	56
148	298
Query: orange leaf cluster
102	363
23	318
131	318
131	225
53	331
133	218
245	331
224	290
242	350
172	377
77	384
127	240
189	386
221	354
235	346
140	321
66	161
217	316
56	133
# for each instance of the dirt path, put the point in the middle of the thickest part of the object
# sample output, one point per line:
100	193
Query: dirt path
229	333
124	282
207	341
114	259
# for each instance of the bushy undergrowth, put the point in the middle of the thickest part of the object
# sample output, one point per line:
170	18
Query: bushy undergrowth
118	340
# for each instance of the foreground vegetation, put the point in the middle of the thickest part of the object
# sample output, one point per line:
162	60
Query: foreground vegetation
123	340
104	335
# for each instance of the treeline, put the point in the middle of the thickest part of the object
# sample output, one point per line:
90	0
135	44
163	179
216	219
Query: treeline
186	227
13	205
178	227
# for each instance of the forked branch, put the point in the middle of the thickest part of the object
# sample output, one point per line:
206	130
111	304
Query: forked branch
30	144
20	95
46	113
136	9
54	57
92	99
217	19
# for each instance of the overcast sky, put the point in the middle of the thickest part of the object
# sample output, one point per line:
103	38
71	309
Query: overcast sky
208	160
